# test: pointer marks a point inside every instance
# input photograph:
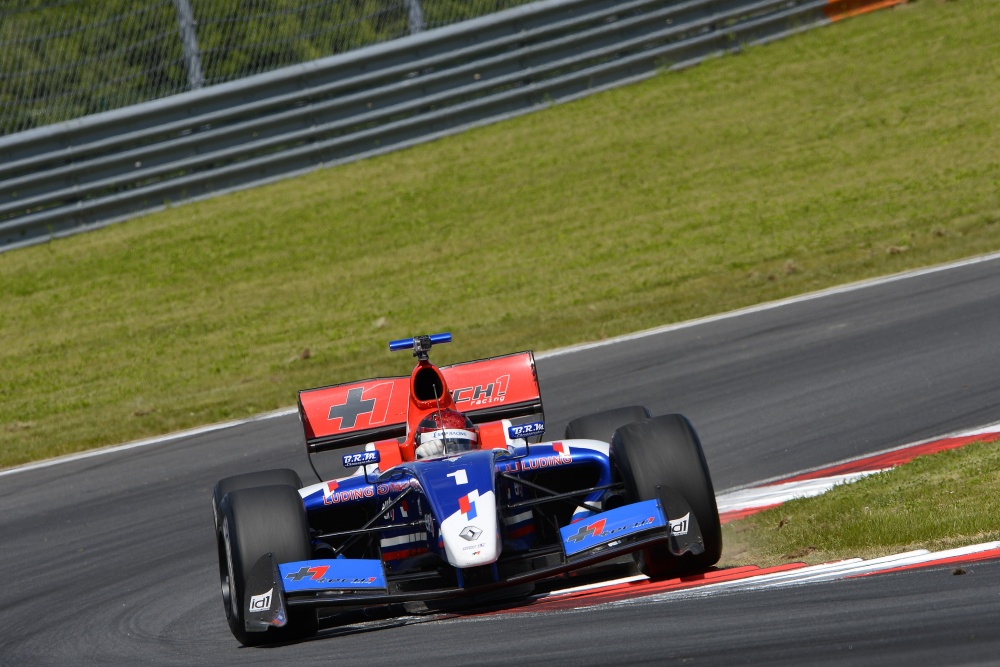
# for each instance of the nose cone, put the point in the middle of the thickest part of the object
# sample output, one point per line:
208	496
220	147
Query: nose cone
471	536
460	490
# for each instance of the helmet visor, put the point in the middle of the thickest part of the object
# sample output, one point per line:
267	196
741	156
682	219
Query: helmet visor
455	440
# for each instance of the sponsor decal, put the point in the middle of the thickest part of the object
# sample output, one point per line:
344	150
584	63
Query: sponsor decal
467	505
461	477
612	525
317	574
373	401
536	463
457	435
680	526
334	496
561	448
470	533
525	430
328	490
259	603
596	529
332	573
592	530
392	487
361	459
483	394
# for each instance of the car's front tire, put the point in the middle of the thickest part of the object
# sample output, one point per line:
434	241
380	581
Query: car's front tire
666	452
254	522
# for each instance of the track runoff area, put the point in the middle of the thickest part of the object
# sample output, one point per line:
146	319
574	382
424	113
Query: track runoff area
732	505
744	502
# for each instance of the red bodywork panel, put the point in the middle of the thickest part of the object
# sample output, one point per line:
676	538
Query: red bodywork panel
492	436
355	413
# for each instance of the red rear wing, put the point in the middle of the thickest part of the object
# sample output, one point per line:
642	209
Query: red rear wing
345	415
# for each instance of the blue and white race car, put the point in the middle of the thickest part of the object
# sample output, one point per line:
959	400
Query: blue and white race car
455	495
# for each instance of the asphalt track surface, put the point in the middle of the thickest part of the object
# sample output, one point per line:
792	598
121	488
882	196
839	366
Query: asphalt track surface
111	560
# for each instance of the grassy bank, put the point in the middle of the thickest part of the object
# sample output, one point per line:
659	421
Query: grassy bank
852	151
947	500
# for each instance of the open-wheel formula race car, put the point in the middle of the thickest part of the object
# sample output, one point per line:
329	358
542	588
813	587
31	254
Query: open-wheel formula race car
454	496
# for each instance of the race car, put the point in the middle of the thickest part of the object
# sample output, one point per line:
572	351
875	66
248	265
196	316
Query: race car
455	496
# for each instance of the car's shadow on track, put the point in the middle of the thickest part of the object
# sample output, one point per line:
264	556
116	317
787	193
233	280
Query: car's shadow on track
375	619
334	624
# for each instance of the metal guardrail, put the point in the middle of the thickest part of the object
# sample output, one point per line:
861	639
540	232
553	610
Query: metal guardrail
86	173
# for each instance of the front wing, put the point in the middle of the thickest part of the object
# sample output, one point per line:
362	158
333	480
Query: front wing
362	582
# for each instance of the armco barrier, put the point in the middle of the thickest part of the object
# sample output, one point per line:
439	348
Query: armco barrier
86	173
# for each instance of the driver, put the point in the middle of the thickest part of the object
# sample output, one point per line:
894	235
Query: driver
444	433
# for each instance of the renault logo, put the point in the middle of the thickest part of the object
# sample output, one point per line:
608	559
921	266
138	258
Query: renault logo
470	533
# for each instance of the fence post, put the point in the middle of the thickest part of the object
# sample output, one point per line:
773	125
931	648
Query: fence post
192	55
414	16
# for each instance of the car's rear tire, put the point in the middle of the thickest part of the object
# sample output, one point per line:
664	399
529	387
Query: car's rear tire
254	522
665	451
602	425
284	476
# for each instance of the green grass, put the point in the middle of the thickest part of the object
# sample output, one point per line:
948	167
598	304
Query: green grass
857	150
946	500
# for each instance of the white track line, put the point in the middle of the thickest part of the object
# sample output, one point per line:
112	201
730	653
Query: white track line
148	441
775	494
993	427
812	574
767	493
841	569
593	587
771	305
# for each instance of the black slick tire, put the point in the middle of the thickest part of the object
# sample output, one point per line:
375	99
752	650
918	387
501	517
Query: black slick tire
284	476
665	451
254	522
602	425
